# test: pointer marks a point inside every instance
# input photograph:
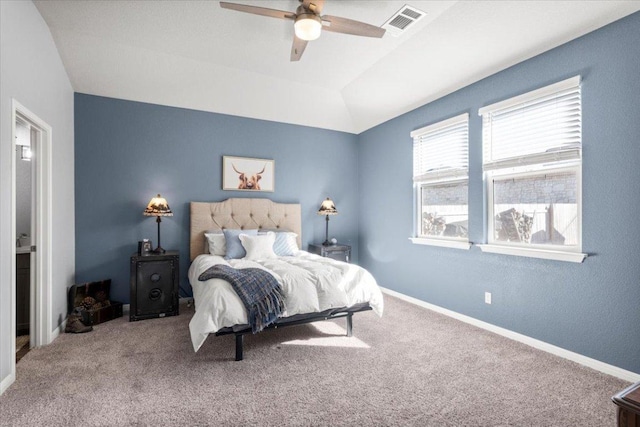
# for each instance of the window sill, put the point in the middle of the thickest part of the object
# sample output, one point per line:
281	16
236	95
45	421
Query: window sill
456	244
534	253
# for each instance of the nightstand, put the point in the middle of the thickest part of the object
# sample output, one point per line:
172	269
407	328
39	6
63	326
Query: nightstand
338	251
154	285
628	401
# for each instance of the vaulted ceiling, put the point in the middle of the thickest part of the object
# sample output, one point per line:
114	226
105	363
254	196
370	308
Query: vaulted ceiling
197	55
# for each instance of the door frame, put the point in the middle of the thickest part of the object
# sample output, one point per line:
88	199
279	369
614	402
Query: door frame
40	297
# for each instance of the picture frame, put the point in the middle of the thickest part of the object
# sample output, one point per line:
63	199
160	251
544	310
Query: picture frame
248	174
145	247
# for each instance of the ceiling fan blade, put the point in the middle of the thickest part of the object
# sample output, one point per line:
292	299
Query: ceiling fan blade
273	13
349	26
297	49
313	5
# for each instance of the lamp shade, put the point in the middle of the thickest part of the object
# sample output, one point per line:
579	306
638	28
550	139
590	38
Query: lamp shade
327	208
158	206
308	26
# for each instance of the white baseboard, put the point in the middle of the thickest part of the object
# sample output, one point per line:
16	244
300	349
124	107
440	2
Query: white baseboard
57	331
6	382
9	379
535	343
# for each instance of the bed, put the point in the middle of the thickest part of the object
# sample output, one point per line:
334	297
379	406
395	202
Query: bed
314	288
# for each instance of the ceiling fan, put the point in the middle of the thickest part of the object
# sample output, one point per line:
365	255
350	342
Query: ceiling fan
308	23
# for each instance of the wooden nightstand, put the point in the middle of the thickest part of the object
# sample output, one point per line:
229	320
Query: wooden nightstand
338	251
154	285
628	401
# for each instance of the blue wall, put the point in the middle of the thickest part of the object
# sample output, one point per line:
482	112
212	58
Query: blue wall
126	152
591	308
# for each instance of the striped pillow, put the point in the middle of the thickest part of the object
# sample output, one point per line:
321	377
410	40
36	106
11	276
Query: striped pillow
285	244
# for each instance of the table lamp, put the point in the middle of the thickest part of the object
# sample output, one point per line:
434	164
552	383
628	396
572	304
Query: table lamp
158	207
327	208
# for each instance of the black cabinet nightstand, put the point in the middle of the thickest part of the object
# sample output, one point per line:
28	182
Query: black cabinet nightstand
338	251
154	285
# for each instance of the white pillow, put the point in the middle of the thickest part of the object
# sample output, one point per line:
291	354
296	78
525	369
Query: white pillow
217	243
258	247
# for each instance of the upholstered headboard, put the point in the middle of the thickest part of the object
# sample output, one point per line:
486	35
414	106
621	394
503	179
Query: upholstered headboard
241	214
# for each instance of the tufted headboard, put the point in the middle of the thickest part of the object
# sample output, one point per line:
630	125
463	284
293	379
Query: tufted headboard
241	214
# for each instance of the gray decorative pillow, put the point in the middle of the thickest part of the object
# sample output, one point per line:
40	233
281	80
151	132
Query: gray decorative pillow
235	250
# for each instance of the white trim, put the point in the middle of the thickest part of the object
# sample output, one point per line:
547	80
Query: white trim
42	308
576	257
8	380
538	93
606	368
41	304
442	176
12	286
535	161
439	125
57	331
444	243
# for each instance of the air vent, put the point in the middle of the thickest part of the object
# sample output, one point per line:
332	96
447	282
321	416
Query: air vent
403	19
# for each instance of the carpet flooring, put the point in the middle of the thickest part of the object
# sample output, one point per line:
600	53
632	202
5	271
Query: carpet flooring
22	346
412	367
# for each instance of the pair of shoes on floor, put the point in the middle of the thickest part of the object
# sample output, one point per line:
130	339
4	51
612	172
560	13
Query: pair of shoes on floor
76	326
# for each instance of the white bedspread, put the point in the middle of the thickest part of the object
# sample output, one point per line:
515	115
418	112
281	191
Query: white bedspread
310	283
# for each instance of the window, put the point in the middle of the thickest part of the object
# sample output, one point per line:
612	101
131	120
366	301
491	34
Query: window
440	176
532	164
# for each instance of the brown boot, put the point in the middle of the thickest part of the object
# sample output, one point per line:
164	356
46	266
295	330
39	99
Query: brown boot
75	325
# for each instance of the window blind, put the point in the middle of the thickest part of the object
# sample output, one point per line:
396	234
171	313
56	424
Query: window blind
538	127
441	150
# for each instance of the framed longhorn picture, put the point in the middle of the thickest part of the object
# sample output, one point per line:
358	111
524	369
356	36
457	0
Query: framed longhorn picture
247	174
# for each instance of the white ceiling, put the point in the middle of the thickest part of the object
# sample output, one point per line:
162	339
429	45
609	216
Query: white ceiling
194	54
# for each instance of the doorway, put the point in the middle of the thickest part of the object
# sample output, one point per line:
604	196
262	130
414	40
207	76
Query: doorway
26	140
31	228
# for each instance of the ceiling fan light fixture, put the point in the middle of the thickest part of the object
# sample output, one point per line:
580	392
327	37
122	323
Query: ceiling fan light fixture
308	23
308	26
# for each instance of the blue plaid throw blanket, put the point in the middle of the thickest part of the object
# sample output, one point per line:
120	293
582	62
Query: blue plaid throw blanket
258	289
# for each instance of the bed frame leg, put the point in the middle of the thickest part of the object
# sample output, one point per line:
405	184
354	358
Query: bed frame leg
350	324
239	347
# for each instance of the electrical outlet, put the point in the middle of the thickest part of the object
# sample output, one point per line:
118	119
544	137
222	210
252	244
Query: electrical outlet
487	297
